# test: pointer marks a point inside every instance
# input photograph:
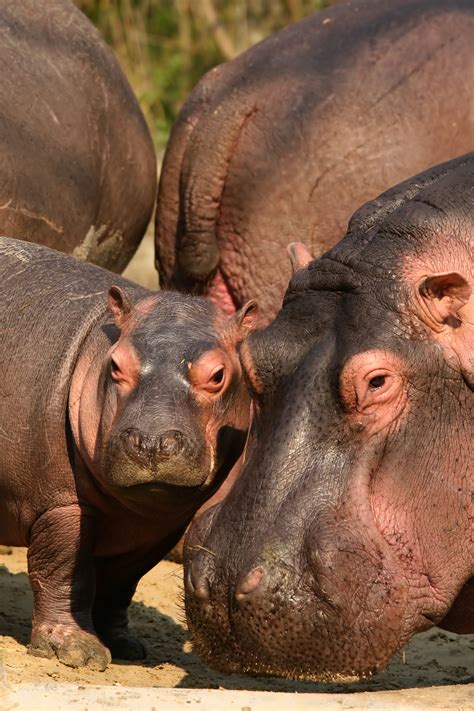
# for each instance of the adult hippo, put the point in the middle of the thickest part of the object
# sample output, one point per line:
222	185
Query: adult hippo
352	526
287	140
78	167
116	424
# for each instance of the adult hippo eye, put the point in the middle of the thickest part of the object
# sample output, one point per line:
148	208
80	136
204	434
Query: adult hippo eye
373	388
377	382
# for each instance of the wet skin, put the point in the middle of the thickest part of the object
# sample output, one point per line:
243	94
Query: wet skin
350	528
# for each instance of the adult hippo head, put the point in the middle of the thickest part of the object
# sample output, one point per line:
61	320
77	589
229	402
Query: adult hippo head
351	526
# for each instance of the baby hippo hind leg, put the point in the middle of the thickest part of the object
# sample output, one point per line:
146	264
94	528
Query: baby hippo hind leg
110	616
117	579
111	622
61	572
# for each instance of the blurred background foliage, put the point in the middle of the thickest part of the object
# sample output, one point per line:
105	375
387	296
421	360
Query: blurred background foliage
165	46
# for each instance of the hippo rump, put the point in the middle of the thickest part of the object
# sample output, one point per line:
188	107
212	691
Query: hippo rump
287	140
116	424
78	167
351	527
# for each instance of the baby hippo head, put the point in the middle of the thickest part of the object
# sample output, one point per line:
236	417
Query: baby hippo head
175	410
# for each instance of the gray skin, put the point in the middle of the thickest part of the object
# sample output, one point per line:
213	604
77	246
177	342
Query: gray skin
351	528
121	411
287	140
78	169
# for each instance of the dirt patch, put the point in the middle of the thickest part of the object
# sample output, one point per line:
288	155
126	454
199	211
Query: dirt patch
434	658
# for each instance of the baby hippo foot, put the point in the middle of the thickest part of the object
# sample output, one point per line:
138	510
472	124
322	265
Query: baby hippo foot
73	646
123	644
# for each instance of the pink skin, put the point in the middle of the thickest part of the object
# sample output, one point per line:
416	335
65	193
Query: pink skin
374	388
446	307
444	304
219	294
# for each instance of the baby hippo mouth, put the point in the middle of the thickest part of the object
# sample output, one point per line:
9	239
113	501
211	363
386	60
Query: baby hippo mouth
170	458
136	459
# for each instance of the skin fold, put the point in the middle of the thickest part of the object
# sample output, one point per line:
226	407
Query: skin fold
286	141
121	411
350	528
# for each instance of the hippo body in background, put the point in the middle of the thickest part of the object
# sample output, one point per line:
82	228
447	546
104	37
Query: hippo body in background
78	169
351	526
113	435
287	140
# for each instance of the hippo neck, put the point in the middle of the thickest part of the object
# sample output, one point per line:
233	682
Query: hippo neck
86	396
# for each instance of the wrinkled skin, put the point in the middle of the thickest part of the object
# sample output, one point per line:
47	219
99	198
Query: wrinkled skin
127	413
284	142
351	526
78	169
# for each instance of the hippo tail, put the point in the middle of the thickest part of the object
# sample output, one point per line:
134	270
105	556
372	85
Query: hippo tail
193	180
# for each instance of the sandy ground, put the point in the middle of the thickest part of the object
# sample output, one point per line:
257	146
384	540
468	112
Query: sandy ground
434	658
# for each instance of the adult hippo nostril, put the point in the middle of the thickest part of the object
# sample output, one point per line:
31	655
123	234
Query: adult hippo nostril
248	584
197	585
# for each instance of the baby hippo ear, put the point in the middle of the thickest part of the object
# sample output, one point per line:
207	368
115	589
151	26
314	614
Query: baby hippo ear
444	295
119	304
299	255
246	319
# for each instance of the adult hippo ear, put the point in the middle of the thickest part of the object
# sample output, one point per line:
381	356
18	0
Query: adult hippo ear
448	309
299	255
119	304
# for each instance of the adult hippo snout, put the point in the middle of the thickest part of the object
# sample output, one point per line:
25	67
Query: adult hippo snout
350	527
294	597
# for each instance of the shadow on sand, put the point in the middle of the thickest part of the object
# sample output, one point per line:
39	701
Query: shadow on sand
434	658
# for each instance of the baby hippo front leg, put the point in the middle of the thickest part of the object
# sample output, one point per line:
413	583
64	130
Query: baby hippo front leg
61	571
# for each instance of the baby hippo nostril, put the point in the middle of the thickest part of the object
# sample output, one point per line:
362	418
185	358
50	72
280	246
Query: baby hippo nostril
198	586
248	584
170	443
133	438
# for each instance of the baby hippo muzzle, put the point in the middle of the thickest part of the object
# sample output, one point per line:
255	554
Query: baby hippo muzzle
171	458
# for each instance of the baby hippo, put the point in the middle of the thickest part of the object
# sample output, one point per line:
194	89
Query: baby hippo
121	411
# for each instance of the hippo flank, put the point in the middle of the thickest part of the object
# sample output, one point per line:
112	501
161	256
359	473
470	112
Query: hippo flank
351	527
116	424
287	140
78	169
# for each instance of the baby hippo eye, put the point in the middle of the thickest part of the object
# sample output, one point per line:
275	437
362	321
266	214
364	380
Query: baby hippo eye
218	376
377	382
210	373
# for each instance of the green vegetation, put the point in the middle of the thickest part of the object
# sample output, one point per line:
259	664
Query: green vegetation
165	46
